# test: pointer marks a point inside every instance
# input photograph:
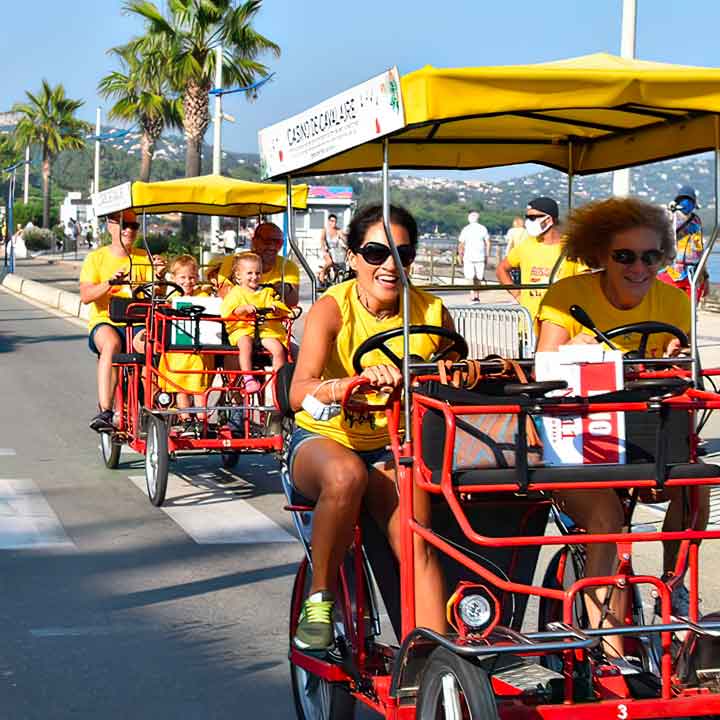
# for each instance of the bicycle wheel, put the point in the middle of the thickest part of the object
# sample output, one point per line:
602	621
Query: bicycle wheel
453	687
156	460
315	698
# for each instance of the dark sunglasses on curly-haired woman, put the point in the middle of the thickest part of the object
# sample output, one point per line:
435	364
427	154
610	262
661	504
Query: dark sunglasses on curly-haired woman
376	253
625	256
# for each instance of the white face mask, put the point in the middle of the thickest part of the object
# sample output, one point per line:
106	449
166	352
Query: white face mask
535	227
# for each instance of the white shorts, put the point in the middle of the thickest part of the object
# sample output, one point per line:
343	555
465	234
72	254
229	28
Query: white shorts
474	270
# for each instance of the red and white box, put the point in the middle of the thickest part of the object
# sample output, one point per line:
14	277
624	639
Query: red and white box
597	438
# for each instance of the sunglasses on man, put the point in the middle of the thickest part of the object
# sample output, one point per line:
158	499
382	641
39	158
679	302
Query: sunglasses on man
376	253
130	225
625	256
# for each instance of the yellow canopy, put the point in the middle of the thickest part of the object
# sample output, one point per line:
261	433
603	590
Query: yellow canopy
214	195
588	114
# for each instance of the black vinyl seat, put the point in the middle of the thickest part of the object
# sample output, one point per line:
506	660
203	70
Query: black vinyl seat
641	430
579	473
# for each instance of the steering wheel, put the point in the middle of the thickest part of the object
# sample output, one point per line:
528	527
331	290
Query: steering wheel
145	291
190	311
645	330
379	342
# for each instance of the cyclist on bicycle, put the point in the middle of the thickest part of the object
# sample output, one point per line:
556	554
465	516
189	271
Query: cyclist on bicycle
339	460
244	300
118	262
629	240
332	248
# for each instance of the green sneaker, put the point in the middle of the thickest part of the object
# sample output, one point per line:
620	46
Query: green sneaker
315	628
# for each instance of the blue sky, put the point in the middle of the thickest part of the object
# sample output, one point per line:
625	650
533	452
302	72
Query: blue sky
329	46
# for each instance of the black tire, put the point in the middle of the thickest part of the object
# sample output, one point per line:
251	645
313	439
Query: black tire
156	460
314	697
110	450
229	459
469	687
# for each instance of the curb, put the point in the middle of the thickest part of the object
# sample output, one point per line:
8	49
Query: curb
62	300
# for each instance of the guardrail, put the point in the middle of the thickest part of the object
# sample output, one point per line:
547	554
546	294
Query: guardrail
501	329
437	263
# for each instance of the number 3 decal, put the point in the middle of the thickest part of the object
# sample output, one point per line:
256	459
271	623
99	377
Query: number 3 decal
622	712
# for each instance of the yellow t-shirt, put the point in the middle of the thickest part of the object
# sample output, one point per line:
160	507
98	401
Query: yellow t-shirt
662	303
272	276
100	265
173	367
536	261
261	298
368	432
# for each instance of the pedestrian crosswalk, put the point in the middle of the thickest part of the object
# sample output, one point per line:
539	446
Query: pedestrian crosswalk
212	514
26	519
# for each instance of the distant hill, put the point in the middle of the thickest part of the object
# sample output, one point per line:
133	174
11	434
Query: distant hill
440	204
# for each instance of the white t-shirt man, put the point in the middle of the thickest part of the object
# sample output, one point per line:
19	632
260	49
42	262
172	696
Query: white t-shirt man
473	248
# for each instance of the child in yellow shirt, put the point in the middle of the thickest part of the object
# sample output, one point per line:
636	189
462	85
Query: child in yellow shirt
174	366
242	301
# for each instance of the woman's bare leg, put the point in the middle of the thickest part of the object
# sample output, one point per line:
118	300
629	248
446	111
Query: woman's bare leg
381	500
676	518
599	512
336	478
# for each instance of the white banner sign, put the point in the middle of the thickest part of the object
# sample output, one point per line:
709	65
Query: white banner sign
113	199
356	116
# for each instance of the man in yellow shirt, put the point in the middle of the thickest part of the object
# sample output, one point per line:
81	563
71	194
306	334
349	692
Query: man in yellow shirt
537	256
118	261
280	272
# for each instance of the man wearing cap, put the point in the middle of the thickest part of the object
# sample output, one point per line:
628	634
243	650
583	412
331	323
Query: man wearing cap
119	262
539	257
280	272
688	242
473	249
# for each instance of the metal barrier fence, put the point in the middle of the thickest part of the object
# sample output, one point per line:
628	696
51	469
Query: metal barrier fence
501	329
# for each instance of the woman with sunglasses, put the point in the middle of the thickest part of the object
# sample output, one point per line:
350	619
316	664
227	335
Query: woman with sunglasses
628	240
340	461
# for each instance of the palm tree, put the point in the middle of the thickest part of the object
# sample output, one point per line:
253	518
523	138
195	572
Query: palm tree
141	93
49	121
188	37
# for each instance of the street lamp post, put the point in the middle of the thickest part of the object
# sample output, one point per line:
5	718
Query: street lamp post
96	174
217	144
621	178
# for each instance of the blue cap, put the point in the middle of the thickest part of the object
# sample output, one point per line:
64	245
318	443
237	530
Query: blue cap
686	191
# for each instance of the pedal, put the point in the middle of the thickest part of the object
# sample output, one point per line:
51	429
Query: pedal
528	677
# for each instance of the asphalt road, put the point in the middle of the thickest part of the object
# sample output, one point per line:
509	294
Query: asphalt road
109	608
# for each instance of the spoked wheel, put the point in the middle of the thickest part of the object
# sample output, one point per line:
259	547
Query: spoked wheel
110	450
156	460
109	445
454	688
315	698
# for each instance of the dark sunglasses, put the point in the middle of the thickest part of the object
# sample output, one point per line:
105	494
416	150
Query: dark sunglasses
376	253
629	257
130	225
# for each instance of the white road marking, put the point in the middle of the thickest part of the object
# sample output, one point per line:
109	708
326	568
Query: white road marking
83	630
212	514
26	518
7	451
